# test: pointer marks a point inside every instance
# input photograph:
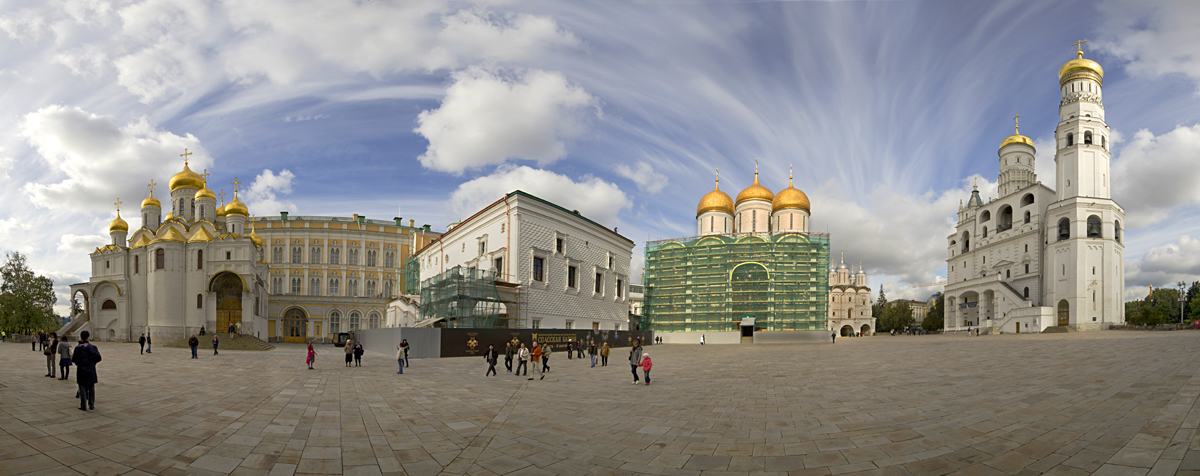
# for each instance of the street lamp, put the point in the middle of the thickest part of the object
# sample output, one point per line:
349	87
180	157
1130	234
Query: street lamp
1181	301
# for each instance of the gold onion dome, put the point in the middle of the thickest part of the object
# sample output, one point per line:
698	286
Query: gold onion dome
151	201
187	179
254	238
755	191
1079	65
236	207
1016	138
716	200
118	224
791	197
221	211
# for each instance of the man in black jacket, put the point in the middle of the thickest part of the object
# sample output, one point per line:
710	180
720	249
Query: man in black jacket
491	356
86	357
508	356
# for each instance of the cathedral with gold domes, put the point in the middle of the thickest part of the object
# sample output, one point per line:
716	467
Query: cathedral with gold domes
752	273
199	266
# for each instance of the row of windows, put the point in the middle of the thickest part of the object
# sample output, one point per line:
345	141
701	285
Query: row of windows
1087	139
314	287
160	260
1094	229
335	256
539	275
353	323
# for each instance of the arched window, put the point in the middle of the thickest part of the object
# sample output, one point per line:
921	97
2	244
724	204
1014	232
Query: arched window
199	259
1027	290
277	286
966	240
1103	142
295	286
180	214
1026	268
160	258
387	289
333	287
354	318
372	255
277	254
1093	227
199	301
314	255
314	286
335	256
1027	216
1006	219
1007	274
1087	137
296	252
1064	313
108	304
1064	229
985	232
389	258
352	257
1117	230
335	322
1027	200
985	216
373	321
1070	139
370	288
352	288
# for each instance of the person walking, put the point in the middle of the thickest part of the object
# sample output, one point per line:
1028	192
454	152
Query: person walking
230	330
358	353
64	358
604	355
534	358
569	353
491	356
147	342
215	342
51	352
349	347
546	351
635	359
522	360
508	356
579	349
312	355
142	344
701	339
833	338
646	364
34	337
194	343
238	328
404	343
86	357
592	352
400	357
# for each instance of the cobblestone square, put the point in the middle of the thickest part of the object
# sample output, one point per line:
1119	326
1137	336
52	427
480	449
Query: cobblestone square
1080	403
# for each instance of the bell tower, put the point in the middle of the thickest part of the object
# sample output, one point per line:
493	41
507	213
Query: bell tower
1082	156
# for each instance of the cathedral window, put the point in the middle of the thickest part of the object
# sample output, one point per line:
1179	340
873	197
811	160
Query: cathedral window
199	259
985	216
1006	219
966	239
199	301
228	255
180	214
710	224
295	286
160	258
335	256
1007	274
1026	290
791	220
1070	139
1117	231
1087	137
1027	200
106	264
296	252
1093	227
314	255
1064	229
335	322
201	212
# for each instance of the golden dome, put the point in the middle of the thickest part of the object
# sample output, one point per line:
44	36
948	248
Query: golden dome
1085	67
187	179
236	207
716	200
221	211
205	193
118	224
755	191
169	216
790	197
257	240
151	202
1016	138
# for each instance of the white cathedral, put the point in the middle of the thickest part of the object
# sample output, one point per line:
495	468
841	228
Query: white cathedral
1038	258
196	267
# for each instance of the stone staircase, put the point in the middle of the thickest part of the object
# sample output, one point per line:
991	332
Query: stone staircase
1058	330
242	342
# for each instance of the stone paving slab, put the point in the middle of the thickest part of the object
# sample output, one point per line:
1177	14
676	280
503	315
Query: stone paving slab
1078	403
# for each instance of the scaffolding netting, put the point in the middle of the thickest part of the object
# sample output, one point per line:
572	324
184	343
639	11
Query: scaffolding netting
710	283
462	298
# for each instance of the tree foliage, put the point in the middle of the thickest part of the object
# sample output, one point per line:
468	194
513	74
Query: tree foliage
935	319
880	304
895	316
1162	307
26	299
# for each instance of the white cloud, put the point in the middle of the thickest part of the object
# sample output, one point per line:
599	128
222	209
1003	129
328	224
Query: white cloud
88	61
6	165
1157	38
81	244
1155	175
644	176
487	119
595	199
24	25
262	197
1163	265
302	117
100	159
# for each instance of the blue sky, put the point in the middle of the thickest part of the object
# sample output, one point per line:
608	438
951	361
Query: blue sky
428	110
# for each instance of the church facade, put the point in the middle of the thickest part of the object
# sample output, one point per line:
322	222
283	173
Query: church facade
197	266
1037	257
850	301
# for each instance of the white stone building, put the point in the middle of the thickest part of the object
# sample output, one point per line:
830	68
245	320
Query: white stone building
1036	257
197	267
850	301
555	268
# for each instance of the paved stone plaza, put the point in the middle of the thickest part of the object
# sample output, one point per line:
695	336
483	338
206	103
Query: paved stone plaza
1103	403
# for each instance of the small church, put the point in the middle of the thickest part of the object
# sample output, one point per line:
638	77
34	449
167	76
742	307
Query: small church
1038	259
195	267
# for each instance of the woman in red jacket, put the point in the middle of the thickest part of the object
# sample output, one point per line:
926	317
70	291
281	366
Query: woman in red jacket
646	364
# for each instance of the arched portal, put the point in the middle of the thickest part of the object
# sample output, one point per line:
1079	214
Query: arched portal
80	305
228	287
749	288
866	330
1064	313
295	325
846	330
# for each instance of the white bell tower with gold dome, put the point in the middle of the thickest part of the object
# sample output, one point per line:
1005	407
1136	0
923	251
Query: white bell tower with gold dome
714	213
1016	161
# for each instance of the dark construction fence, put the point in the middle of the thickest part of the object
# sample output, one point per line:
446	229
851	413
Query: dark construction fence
459	342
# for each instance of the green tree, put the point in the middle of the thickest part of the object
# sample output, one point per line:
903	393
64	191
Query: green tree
880	304
26	299
903	317
935	319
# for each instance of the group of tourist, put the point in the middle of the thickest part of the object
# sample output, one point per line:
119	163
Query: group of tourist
85	356
538	355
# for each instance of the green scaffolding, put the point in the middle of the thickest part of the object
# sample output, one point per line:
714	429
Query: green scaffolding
412	276
710	283
462	297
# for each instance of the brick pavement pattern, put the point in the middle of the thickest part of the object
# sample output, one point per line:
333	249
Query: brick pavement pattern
1081	403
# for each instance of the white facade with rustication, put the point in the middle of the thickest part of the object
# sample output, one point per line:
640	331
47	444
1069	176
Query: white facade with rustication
1037	258
850	301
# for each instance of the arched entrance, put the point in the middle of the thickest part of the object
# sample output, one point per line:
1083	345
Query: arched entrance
749	286
1064	313
847	330
295	325
80	304
228	287
866	330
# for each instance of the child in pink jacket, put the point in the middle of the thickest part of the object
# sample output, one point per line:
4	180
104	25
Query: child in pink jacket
646	364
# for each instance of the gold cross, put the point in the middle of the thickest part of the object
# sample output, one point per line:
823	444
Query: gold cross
222	195
152	184
1016	123
235	183
185	155
1079	46
118	204
205	174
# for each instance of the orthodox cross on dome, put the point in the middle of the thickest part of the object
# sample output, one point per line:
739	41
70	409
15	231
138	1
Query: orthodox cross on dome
843	258
152	184
755	169
789	175
718	186
235	183
206	174
185	155
1017	124
1079	47
118	204
222	195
